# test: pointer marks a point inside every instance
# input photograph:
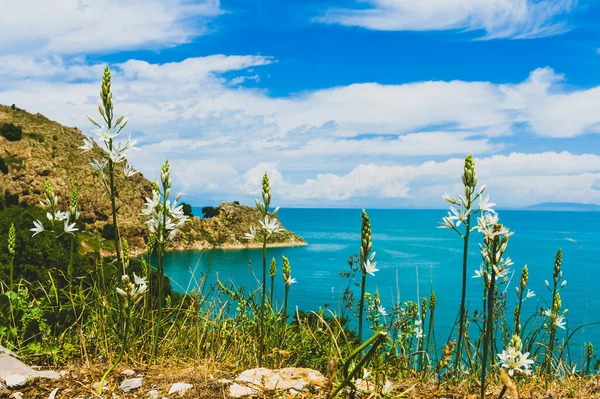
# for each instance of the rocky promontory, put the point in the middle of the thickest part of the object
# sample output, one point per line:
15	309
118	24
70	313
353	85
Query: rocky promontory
49	151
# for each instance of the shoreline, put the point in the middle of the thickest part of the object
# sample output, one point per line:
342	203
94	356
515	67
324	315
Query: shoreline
235	247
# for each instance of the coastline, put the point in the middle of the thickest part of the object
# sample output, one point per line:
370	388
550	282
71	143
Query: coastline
235	247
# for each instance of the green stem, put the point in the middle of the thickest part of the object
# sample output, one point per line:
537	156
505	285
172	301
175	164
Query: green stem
12	272
263	300
361	305
461	328
488	329
119	358
272	290
70	269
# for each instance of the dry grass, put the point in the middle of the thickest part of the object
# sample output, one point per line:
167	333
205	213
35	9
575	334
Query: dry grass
78	385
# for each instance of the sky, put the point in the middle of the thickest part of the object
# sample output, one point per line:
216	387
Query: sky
371	103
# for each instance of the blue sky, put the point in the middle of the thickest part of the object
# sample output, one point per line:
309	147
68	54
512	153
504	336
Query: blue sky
366	104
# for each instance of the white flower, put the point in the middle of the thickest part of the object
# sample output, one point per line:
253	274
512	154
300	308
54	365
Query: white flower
530	294
121	292
128	170
560	322
479	273
382	311
290	281
514	360
366	374
563	284
251	235
371	267
70	228
98	165
485	205
270	225
105	134
449	198
88	144
461	215
38	227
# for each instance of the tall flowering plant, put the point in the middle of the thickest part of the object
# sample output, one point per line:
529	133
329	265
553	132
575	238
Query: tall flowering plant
494	271
164	219
367	266
114	150
555	318
268	225
460	213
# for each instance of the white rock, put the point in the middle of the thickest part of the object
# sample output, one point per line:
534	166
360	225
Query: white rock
153	394
131	384
128	372
15	380
180	387
63	373
239	391
16	395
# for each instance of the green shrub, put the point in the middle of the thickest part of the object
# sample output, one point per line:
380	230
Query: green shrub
3	166
209	212
187	209
36	136
13	107
108	232
11	132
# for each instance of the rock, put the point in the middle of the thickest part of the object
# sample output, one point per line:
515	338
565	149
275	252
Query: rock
180	388
15	380
239	391
131	384
262	380
63	373
128	372
16	395
16	373
153	394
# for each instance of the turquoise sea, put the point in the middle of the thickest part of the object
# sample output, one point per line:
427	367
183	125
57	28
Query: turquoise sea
408	243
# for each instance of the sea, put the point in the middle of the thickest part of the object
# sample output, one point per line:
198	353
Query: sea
414	257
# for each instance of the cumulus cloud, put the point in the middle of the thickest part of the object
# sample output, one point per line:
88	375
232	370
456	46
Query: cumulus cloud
339	143
90	26
517	179
517	19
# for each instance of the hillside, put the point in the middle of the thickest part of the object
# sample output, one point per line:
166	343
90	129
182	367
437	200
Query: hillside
49	151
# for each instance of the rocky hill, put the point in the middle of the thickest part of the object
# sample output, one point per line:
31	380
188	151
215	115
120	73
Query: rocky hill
49	151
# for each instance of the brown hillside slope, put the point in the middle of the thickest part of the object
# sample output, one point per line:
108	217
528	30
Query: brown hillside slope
49	151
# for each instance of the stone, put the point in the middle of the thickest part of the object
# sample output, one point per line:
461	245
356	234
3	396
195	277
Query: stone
128	372
16	395
239	391
258	380
180	388
15	380
17	372
131	384
153	394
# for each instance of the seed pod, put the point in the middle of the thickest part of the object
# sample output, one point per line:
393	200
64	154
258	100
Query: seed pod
557	266
12	239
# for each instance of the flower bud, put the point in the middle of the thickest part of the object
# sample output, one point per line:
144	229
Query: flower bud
273	268
12	239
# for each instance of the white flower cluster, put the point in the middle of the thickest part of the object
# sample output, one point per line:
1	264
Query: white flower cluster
514	360
268	224
115	151
164	218
456	217
132	290
495	237
56	217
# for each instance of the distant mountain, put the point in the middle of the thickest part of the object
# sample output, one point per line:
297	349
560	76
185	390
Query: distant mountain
564	206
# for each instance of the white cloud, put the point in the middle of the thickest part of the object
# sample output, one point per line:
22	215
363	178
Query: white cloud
518	179
498	18
340	143
90	26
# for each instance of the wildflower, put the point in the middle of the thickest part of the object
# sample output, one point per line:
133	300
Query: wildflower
70	228
514	360
38	227
485	205
251	235
88	144
382	311
449	198
371	268
560	322
270	225
366	374
128	170
290	281
530	294
479	273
